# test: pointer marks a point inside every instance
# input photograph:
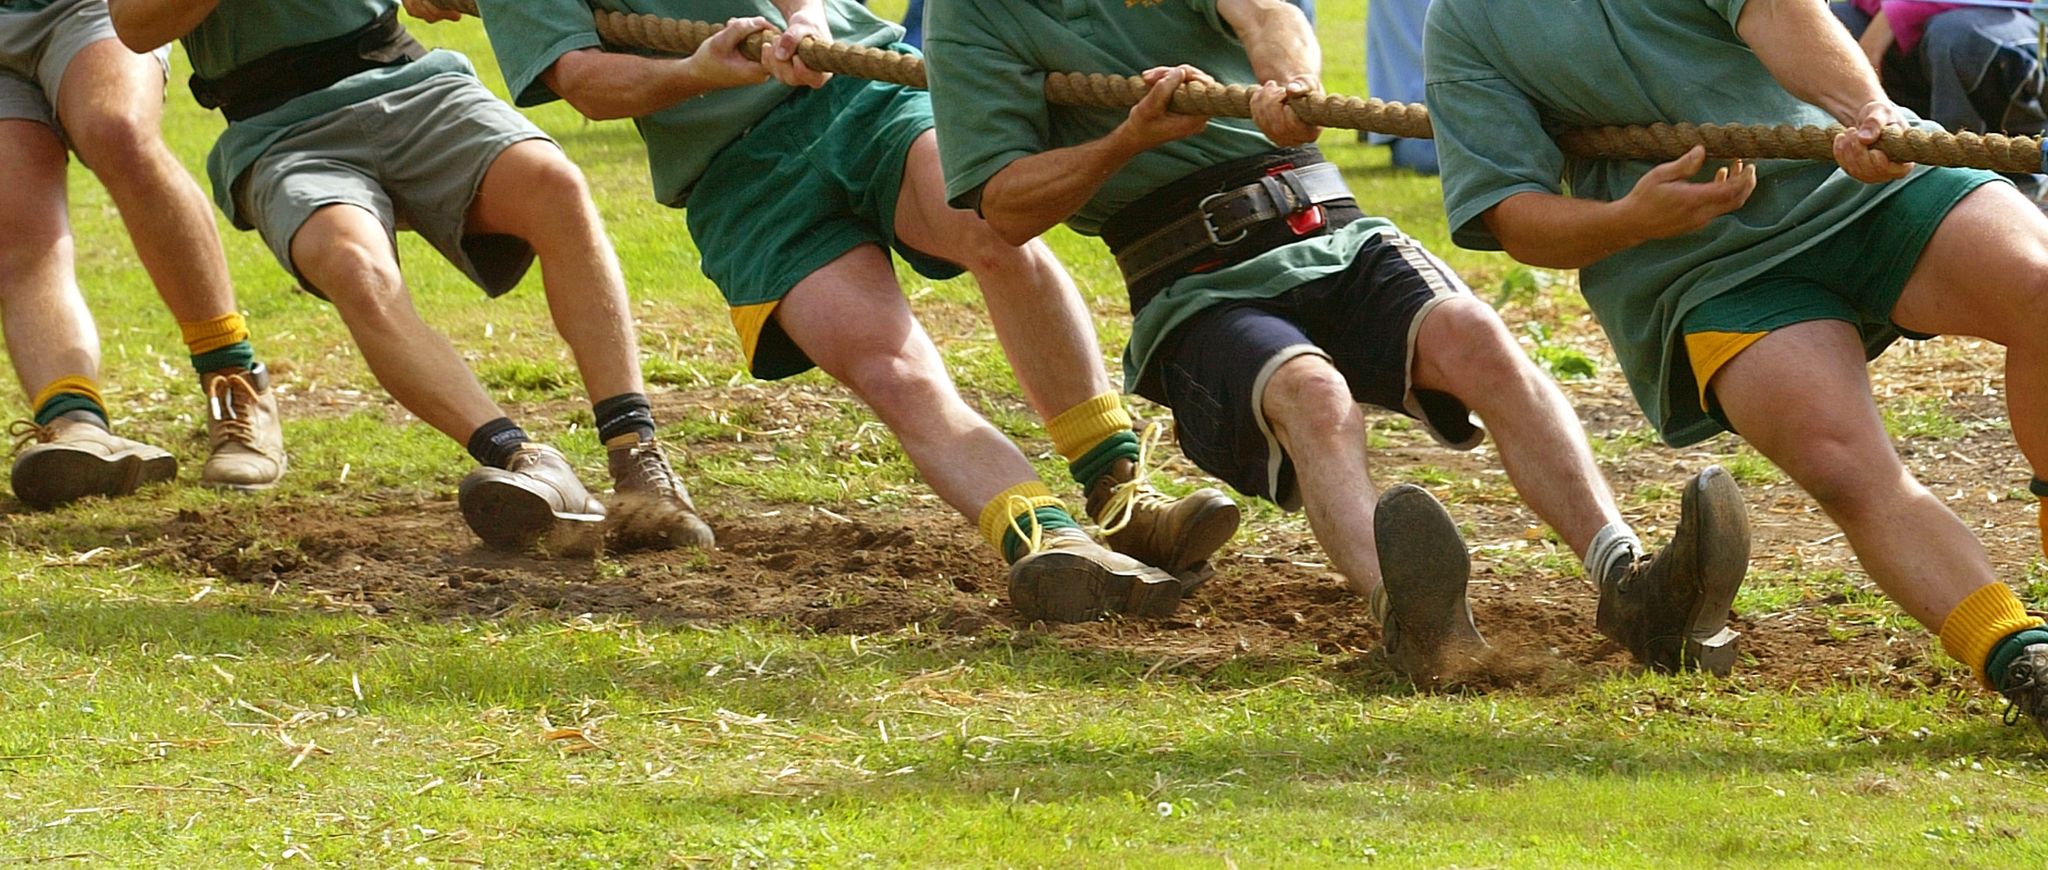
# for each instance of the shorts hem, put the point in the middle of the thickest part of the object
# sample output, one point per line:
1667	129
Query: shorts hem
1286	496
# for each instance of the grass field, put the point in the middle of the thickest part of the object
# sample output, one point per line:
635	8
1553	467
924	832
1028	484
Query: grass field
330	674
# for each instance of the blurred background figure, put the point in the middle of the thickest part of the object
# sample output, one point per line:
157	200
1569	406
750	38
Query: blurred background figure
1963	67
1393	71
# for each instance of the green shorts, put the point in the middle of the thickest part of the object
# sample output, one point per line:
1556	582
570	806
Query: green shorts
414	158
37	46
816	178
1855	275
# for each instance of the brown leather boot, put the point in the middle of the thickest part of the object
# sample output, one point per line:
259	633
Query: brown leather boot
1671	611
2025	687
75	457
244	433
1175	535
653	503
1067	577
1424	570
536	497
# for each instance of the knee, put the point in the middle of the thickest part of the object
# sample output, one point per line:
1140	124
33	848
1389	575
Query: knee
552	195
1308	399
1465	350
361	280
1845	474
895	384
116	145
976	247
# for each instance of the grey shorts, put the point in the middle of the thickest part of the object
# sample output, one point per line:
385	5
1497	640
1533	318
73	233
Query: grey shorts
35	49
414	158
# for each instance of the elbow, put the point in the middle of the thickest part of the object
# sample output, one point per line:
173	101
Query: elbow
133	33
1013	233
578	78
1014	228
590	106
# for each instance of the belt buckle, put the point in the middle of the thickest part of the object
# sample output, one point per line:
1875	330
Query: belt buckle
1209	222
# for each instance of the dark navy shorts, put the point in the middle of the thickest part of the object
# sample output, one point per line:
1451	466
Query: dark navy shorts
1212	369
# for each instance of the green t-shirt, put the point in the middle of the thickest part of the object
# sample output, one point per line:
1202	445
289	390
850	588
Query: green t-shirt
25	5
987	61
1499	72
240	31
530	35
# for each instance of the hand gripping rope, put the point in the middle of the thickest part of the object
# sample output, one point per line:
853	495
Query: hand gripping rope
2020	154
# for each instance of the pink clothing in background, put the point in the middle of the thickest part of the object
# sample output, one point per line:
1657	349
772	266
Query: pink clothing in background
1908	17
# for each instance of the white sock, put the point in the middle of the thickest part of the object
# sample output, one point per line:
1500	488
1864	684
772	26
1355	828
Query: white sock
1614	544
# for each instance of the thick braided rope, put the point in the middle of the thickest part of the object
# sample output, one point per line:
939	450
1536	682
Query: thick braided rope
1405	120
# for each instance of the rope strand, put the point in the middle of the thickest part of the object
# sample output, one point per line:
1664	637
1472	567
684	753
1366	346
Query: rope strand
2021	154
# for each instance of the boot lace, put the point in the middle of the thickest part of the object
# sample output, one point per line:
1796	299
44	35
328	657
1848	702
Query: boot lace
27	432
1127	497
651	469
1034	538
228	396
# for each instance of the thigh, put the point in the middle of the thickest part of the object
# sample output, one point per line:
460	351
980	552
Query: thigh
33	220
286	187
890	175
1212	370
852	310
435	143
102	81
1984	271
1801	396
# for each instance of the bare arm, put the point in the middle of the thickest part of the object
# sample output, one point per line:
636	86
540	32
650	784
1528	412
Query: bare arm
1810	54
147	25
604	85
1034	194
1560	232
1287	60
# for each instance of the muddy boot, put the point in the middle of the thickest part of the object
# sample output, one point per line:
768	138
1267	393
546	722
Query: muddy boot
2025	684
244	434
75	456
536	498
1175	535
1067	577
1424	569
1671	611
656	505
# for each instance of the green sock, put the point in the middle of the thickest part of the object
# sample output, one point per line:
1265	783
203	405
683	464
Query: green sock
64	403
2008	650
1096	462
240	355
1047	518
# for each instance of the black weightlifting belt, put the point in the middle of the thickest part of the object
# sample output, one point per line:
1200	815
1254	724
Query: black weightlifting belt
281	76
1225	215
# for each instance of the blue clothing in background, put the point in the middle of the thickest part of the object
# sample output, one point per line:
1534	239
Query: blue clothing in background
1393	71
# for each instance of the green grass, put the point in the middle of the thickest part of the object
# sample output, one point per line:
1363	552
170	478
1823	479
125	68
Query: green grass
170	719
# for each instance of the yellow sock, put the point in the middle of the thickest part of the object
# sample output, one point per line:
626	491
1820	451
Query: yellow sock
1078	429
74	384
207	336
1989	615
1005	508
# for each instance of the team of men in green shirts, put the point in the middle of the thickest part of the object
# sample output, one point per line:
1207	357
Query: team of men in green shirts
1267	304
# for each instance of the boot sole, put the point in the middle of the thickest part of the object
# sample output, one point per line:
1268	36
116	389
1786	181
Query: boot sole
1058	586
232	486
50	478
1723	544
1426	570
507	516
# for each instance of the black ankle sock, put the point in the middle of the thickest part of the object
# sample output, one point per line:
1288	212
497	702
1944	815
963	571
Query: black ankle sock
624	414
493	443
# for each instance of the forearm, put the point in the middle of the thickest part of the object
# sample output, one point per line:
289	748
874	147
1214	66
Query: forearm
1280	44
1811	55
603	85
1036	193
1559	232
146	25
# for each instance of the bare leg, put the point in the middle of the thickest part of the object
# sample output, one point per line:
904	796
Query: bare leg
344	251
1045	329
850	318
1824	431
1309	407
111	105
1464	350
49	331
1985	274
532	191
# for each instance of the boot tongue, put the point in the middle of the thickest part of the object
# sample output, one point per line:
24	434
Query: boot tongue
87	417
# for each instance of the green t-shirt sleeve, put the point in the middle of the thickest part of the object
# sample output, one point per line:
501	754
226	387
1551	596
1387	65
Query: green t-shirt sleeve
1729	9
989	105
1490	139
530	35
